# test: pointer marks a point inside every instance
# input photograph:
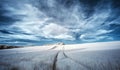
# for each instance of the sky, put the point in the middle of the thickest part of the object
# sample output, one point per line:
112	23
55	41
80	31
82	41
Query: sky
39	22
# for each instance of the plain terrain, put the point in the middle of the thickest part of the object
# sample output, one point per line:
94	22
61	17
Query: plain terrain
89	56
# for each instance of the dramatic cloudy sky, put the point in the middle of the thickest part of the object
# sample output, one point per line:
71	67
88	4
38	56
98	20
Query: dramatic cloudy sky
38	22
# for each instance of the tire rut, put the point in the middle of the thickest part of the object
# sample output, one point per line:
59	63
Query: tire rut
78	62
55	62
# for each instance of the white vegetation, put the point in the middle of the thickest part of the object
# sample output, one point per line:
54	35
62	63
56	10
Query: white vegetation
90	56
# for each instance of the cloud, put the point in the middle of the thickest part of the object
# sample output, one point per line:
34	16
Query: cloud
22	36
56	31
37	25
99	35
59	20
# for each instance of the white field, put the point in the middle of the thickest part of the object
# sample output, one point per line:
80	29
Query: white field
89	56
